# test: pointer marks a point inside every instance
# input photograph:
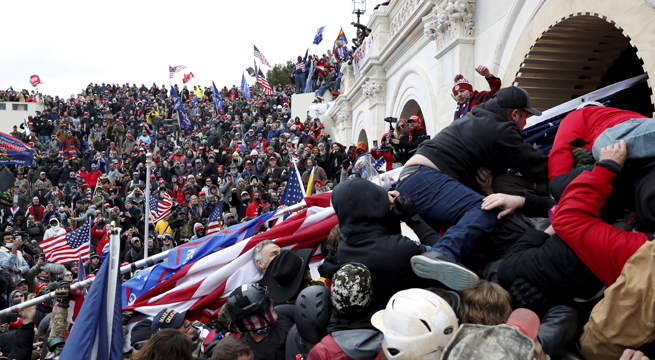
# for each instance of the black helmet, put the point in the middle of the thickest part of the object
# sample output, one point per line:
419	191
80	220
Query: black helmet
313	309
247	300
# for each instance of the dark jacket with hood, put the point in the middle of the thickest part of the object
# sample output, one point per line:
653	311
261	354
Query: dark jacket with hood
484	137
363	212
349	338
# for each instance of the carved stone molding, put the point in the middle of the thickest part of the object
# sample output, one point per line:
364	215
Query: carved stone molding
345	116
406	10
450	21
374	90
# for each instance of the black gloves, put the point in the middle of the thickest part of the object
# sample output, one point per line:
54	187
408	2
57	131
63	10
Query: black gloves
526	295
405	209
582	156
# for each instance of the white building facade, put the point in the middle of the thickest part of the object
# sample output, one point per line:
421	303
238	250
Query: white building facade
555	49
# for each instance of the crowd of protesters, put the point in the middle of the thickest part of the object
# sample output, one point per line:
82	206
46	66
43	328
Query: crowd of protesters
566	236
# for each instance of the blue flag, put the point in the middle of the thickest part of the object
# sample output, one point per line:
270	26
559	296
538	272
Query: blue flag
244	86
308	86
319	36
91	334
182	118
184	254
218	101
14	151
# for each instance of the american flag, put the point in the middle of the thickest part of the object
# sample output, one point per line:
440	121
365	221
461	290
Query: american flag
262	80
202	286
160	209
187	77
172	70
295	191
261	57
300	65
68	247
213	224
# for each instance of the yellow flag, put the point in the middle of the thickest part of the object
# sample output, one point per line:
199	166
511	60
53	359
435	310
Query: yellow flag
310	183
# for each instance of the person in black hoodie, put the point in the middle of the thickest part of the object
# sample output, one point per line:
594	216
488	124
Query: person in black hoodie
364	211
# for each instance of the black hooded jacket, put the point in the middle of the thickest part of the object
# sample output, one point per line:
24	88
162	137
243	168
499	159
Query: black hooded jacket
363	212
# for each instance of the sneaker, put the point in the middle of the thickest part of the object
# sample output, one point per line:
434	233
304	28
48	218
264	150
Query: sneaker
438	266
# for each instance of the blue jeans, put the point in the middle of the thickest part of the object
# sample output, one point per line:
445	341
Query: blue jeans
322	89
300	83
439	197
337	85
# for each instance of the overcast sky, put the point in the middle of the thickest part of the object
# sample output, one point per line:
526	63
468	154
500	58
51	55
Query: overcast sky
71	43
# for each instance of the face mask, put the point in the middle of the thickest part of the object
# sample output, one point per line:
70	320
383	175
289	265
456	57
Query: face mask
10	245
257	198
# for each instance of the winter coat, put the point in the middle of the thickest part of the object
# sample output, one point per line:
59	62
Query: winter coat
585	124
478	97
601	246
319	174
484	137
363	212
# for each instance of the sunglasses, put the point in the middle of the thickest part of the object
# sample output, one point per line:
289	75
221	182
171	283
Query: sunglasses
36	346
138	346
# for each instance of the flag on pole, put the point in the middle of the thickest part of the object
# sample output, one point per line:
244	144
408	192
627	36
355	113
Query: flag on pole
342	36
308	86
81	271
187	77
216	96
340	52
310	182
244	86
160	209
261	57
319	36
202	286
213	224
184	254
262	80
98	331
172	70
182	118
295	191
69	246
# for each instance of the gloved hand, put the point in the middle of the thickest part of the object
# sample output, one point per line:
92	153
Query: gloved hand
582	156
127	316
404	207
526	295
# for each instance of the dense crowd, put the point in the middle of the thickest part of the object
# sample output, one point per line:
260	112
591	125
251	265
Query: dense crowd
565	235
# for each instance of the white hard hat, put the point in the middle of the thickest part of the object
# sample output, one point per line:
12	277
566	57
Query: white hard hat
417	324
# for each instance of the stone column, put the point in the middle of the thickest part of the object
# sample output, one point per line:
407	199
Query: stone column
375	89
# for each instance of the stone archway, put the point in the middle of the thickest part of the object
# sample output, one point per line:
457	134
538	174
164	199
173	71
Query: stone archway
415	88
412	108
576	56
590	36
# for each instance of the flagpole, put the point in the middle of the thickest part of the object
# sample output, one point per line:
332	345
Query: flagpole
131	267
112	278
147	226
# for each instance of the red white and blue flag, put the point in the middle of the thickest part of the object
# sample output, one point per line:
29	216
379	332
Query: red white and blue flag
262	80
175	69
260	56
213	223
69	246
201	287
160	209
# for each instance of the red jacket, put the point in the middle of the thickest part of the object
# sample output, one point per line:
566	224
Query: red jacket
92	178
327	349
587	124
101	235
601	246
251	211
178	194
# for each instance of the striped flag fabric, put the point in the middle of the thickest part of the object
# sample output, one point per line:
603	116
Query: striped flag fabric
260	56
160	209
175	69
202	287
213	223
262	80
188	253
68	247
